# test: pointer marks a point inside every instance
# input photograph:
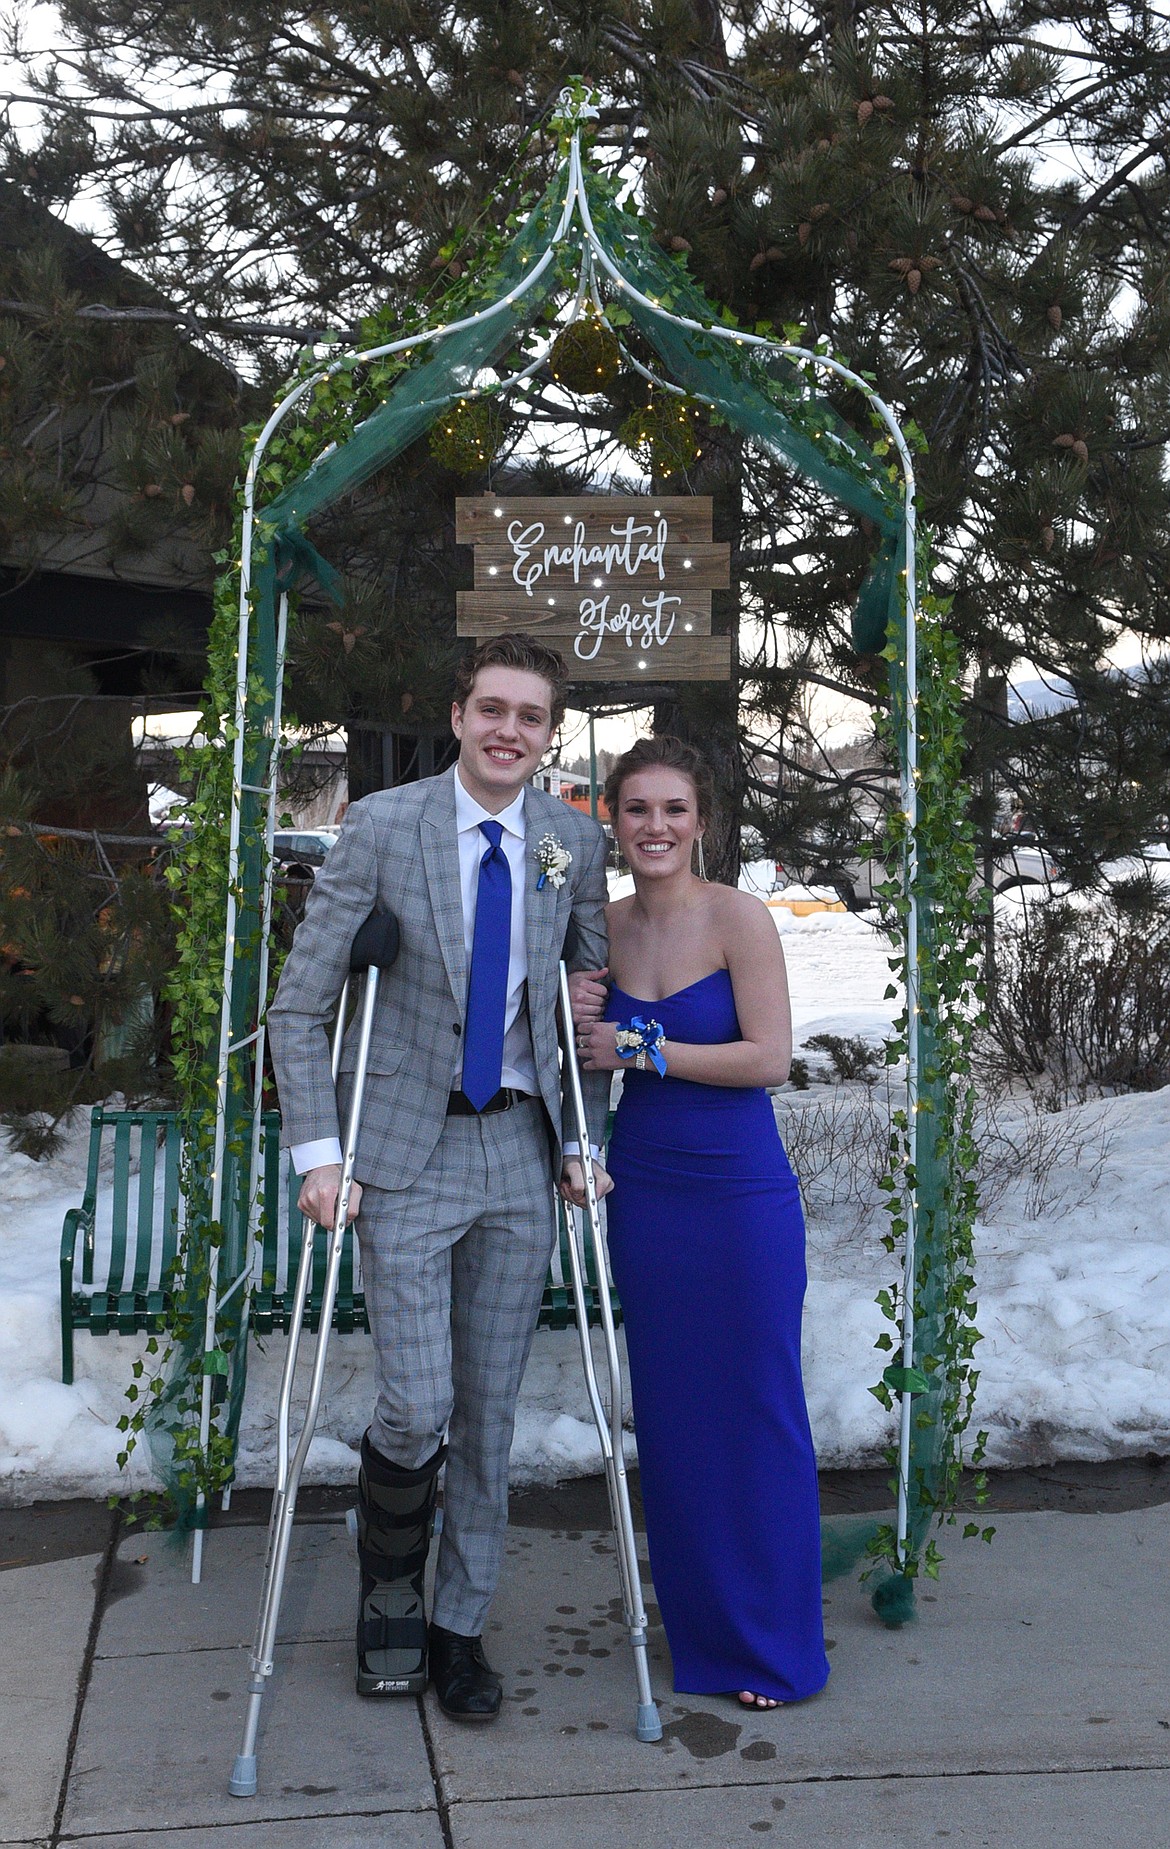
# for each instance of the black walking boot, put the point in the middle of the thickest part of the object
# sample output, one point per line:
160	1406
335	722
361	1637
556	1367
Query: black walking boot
467	1687
395	1520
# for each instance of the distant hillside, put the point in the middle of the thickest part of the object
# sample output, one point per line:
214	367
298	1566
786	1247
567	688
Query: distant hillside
1029	699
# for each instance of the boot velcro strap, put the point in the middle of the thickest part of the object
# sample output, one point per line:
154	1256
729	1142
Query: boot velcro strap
377	1513
384	1633
382	1566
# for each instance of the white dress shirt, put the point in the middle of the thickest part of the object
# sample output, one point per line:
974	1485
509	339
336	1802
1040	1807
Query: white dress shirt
519	1067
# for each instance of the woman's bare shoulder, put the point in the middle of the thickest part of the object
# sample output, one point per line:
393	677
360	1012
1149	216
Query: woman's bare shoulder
742	919
741	907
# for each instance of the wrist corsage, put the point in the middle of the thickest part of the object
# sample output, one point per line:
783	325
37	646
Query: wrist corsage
640	1041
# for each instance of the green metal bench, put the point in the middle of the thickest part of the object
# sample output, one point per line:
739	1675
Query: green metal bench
127	1228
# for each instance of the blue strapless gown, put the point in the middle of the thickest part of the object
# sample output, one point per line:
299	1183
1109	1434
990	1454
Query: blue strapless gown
706	1237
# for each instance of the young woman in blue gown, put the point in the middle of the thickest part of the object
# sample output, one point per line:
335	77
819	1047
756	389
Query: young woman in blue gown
706	1238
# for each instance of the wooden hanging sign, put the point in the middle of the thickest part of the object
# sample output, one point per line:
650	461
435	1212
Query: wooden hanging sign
621	584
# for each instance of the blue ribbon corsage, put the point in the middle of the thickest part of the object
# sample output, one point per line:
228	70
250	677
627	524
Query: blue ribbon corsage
638	1036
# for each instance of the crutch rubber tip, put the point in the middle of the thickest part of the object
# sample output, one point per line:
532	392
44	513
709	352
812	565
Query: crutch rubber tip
649	1722
242	1783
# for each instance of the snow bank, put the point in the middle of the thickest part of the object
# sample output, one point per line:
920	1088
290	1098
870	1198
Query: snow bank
1073	1271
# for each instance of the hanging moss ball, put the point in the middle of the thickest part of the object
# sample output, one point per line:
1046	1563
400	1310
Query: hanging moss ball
465	437
893	1600
664	435
585	356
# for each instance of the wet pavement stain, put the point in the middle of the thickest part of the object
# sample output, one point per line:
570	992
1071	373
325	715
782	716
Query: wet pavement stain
759	1749
705	1736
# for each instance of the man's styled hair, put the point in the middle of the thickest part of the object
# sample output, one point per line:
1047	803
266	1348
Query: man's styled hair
516	651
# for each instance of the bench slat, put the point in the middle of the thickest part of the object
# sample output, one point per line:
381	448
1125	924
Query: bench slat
170	1244
147	1162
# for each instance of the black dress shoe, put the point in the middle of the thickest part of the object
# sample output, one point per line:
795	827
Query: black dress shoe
468	1690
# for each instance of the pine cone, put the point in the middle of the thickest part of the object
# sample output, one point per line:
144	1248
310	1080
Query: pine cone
902	265
1048	537
864	111
152	491
883	102
1064	441
914	281
961	203
1055	316
719	196
758	261
804	232
773	254
1081	448
985	215
677	243
187	491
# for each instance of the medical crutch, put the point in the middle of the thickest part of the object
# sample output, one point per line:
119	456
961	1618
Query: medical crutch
609	1429
374	949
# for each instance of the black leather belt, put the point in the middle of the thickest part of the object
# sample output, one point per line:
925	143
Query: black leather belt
460	1105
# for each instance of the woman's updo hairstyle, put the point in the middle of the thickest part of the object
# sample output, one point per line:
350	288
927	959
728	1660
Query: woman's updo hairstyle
663	753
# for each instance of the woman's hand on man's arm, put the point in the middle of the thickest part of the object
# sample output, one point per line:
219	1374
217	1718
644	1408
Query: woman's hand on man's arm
588	995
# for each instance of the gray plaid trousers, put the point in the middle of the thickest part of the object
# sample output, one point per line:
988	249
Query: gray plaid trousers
453	1268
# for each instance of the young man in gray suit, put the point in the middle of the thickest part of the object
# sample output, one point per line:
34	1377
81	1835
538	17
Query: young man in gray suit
463	1132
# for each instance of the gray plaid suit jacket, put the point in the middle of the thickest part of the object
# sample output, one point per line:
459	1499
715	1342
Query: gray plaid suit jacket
398	850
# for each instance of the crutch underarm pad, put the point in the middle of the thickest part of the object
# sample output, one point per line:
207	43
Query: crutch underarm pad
376	944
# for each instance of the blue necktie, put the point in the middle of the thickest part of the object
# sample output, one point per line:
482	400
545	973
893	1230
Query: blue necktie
487	987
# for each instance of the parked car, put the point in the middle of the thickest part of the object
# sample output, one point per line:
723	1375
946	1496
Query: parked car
299	852
854	879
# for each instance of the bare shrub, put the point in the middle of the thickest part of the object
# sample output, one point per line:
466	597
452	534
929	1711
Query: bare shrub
1047	1151
1081	1006
838	1146
850	1055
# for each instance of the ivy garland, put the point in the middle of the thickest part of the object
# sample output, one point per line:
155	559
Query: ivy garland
165	1392
951	904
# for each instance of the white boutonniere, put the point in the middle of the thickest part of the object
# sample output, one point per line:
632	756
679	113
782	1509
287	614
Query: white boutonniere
554	860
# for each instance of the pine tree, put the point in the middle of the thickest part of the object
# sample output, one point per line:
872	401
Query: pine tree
972	206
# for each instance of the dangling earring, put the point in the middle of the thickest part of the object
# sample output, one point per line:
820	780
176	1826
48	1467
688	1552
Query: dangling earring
702	860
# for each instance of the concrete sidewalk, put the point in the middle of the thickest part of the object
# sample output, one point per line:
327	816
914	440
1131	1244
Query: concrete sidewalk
1027	1708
